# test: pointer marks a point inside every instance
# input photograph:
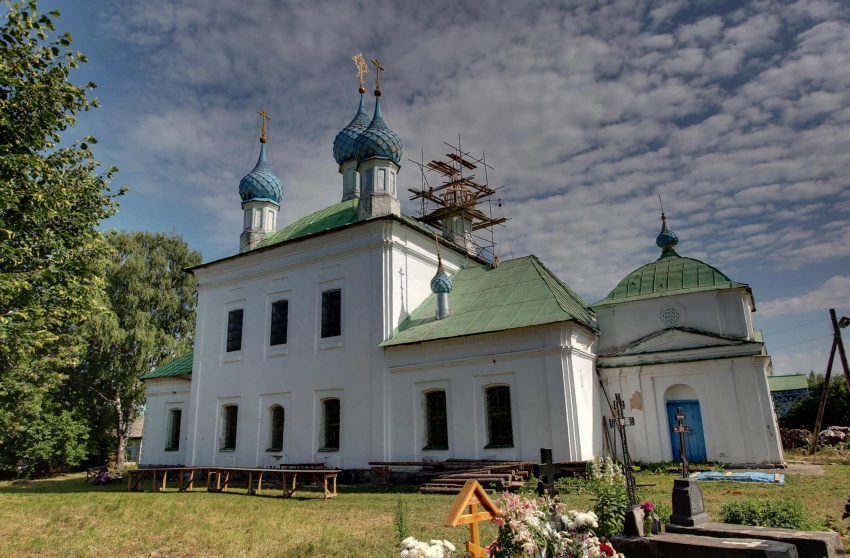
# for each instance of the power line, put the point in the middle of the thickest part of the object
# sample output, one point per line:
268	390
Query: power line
800	342
795	327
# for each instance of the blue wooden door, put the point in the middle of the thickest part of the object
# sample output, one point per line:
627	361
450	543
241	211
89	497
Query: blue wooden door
694	440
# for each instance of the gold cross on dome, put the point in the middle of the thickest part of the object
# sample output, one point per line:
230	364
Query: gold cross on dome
265	117
378	70
362	68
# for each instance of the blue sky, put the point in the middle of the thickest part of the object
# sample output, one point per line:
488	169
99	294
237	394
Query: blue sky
737	113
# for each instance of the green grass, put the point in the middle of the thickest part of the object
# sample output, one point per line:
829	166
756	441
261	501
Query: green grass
64	517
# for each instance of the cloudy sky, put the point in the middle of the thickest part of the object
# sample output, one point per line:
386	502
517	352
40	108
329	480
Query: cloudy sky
739	117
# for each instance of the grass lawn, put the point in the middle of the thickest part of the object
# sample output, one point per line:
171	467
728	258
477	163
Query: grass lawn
66	517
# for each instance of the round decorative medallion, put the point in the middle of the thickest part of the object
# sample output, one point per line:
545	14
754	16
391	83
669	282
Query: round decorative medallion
671	316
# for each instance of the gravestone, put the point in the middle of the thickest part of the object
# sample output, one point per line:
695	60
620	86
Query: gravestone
809	544
690	546
546	473
688	507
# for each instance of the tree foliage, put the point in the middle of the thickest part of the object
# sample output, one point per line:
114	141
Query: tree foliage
837	412
152	321
52	198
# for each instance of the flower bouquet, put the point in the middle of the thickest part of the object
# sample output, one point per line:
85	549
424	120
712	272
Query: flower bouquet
412	548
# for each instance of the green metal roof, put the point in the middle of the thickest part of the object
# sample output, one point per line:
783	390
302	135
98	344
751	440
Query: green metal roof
669	274
517	293
338	215
789	382
180	366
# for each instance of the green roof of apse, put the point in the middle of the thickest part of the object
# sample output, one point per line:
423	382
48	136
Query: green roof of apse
788	382
517	293
180	366
334	216
669	274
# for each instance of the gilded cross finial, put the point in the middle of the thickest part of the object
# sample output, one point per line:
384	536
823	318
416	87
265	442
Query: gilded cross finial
362	68
265	117
378	70
663	217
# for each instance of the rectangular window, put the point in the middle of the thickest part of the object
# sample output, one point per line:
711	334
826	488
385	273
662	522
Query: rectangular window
331	411
499	424
280	319
234	330
228	427
331	313
366	182
276	431
436	421
173	438
380	182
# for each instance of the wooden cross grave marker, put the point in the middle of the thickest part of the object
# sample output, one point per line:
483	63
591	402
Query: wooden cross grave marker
546	473
682	428
470	497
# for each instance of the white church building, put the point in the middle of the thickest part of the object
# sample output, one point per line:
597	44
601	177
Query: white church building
352	335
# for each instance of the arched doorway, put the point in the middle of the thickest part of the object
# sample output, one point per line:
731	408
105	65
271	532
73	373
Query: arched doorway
684	397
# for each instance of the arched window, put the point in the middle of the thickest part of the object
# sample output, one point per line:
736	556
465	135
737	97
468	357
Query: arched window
500	430
230	414
330	424
276	430
436	421
172	440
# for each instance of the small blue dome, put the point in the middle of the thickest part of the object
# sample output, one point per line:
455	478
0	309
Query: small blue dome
378	140
345	139
666	239
261	183
441	283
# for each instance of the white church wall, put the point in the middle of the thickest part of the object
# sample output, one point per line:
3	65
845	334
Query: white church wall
725	313
363	263
163	396
544	410
736	418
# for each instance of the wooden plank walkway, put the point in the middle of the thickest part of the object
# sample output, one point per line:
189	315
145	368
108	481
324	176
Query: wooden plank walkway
218	478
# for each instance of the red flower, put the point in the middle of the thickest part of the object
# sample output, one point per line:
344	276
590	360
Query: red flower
607	549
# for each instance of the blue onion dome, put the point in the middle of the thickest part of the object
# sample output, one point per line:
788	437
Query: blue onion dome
261	183
345	139
378	140
666	239
441	283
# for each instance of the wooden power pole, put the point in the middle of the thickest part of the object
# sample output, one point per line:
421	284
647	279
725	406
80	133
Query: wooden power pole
837	343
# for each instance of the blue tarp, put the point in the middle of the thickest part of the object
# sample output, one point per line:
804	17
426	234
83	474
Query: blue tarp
747	476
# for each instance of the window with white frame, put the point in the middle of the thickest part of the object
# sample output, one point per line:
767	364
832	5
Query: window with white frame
276	416
280	321
330	424
229	419
234	330
436	421
172	438
332	313
500	433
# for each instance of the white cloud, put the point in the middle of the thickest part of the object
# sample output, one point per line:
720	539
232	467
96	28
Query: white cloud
835	292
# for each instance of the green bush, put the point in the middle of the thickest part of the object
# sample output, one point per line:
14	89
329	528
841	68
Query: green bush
764	512
610	505
804	411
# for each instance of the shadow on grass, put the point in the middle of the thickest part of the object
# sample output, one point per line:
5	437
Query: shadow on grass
75	483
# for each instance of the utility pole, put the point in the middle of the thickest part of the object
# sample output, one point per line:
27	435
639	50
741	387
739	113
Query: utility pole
837	343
